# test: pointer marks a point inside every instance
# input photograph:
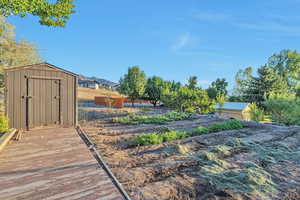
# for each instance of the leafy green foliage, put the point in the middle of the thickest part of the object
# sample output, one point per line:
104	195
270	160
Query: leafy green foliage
221	99
154	89
192	82
3	124
14	52
256	113
221	86
158	138
50	13
188	100
212	92
283	110
133	83
281	75
222	126
160	119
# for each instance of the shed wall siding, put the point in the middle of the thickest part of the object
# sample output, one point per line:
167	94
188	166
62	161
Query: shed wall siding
16	88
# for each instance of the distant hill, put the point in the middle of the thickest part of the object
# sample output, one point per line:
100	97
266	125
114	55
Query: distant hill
89	94
104	82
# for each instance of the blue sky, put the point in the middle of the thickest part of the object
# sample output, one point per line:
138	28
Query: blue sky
173	39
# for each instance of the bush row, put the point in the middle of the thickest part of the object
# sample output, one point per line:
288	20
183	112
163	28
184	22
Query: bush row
222	126
160	119
158	138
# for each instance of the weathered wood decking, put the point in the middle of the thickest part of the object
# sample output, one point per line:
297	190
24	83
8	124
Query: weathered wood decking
52	164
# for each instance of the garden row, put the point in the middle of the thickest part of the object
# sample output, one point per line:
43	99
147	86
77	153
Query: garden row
158	138
158	119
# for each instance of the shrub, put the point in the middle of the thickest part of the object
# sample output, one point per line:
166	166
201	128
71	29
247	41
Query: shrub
3	124
256	114
158	138
229	125
201	130
188	100
148	139
283	110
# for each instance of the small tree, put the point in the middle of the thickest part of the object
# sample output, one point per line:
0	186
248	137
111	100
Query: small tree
212	92
192	82
188	100
220	85
154	89
133	83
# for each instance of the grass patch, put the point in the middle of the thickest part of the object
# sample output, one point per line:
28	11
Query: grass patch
160	119
222	126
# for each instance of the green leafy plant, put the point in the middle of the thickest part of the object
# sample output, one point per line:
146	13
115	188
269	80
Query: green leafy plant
186	99
3	124
229	125
256	114
158	138
284	110
160	119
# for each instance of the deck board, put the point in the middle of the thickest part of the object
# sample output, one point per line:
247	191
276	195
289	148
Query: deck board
52	164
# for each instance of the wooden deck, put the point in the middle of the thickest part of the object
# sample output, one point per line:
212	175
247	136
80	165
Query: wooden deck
53	164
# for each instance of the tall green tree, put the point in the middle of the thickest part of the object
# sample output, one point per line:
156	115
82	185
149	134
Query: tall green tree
192	82
154	89
133	83
242	80
265	84
220	85
51	13
286	64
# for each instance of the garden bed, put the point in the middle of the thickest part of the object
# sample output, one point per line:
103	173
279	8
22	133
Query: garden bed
233	163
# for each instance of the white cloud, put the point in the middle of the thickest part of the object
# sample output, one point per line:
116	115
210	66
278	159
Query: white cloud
181	42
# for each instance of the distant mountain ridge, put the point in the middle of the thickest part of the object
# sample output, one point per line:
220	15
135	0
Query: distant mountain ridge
99	80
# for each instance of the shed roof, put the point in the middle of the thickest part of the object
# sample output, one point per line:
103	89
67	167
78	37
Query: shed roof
36	64
233	106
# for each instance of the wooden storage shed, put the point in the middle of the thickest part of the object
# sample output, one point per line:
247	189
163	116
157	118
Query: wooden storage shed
234	110
40	95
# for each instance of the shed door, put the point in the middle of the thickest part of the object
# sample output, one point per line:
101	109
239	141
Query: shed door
43	102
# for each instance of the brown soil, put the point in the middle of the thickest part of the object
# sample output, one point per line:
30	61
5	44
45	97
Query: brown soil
162	172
